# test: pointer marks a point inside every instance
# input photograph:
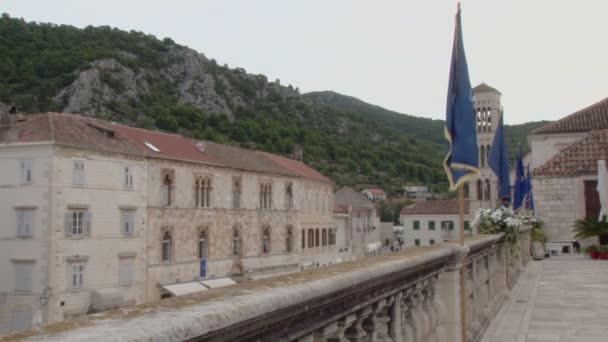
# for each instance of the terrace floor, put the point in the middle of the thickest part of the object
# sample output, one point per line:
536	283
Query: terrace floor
563	299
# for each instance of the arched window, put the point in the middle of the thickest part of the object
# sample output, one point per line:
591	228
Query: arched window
489	120
289	239
289	196
236	242
236	192
303	238
206	193
166	247
482	156
487	191
465	190
479	189
265	196
311	238
197	186
324	237
167	188
203	242
488	153
317	240
266	240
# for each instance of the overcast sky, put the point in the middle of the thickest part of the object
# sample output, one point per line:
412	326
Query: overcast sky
547	57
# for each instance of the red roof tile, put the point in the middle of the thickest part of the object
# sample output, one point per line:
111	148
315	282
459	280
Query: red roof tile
594	117
579	158
376	191
340	208
89	133
434	207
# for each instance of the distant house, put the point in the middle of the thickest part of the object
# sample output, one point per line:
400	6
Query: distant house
374	194
417	191
362	224
430	222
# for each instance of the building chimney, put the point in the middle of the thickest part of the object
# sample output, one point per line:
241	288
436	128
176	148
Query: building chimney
298	153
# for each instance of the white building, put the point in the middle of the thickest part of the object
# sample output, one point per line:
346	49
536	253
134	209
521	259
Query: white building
362	225
417	191
430	222
99	215
374	194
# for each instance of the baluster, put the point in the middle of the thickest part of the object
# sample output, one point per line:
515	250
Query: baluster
408	325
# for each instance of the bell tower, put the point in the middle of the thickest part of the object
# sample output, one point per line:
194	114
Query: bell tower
483	191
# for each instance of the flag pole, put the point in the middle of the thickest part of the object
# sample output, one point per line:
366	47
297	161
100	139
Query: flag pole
463	282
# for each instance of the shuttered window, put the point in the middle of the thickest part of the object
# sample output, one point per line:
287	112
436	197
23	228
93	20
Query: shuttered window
127	178
127	220
23	276
78	222
78	172
25	222
76	275
125	270
25	171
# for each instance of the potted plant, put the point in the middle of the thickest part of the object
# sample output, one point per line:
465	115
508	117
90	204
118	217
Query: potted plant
591	228
538	239
603	252
593	251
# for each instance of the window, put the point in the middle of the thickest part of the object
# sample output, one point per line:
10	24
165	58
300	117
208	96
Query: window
25	222
311	238
125	270
465	190
416	225
487	190
289	240
482	156
76	275
417	242
23	276
166	248
431	242
289	196
332	236
78	222
78	172
479	189
447	225
202	192
236	242
266	195
202	245
317	244
25	171
467	225
127	219
167	188
431	225
127	178
324	237
266	240
303	238
236	192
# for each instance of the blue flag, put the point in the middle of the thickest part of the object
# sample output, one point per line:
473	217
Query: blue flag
461	161
499	162
519	186
529	197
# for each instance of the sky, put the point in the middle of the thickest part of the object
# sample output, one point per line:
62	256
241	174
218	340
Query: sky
548	58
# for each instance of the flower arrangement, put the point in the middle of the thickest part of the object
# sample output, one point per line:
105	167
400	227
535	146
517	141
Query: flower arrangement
496	221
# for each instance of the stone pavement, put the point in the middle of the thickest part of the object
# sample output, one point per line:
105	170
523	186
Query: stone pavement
563	299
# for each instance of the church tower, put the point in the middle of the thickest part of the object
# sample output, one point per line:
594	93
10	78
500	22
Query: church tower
483	191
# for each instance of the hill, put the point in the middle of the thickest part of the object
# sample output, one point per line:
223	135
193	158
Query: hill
137	79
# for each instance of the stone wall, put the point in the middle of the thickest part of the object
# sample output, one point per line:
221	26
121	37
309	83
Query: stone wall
412	295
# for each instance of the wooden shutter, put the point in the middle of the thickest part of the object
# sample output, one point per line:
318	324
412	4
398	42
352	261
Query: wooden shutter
88	217
592	199
68	223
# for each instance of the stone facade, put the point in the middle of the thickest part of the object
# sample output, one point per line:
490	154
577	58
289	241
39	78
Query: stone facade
425	230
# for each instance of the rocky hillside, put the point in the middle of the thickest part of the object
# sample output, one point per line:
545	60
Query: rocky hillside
140	80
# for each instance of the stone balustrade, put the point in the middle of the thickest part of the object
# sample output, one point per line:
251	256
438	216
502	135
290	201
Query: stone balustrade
407	296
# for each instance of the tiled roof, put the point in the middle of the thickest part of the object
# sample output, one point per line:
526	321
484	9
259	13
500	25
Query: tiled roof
579	158
340	208
349	196
594	117
375	191
434	207
484	88
94	134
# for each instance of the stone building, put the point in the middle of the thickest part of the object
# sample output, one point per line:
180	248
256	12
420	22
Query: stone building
362	224
374	194
101	215
430	222
483	191
564	156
